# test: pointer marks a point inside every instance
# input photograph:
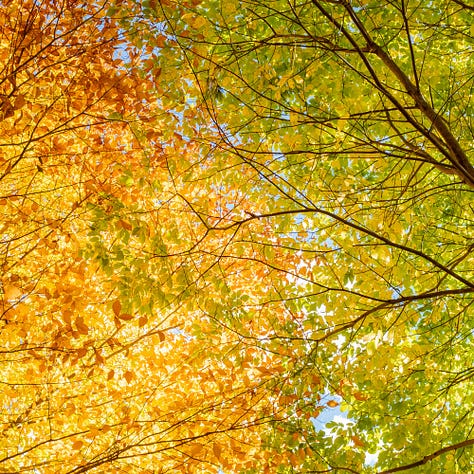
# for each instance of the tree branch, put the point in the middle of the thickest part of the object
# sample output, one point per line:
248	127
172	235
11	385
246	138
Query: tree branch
429	457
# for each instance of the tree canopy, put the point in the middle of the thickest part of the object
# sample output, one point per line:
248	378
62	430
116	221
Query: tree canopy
236	237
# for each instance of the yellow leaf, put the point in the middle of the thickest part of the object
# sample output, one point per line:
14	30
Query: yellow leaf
12	292
198	22
294	118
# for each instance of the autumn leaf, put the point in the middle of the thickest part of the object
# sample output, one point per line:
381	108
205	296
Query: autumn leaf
82	328
19	102
125	317
77	445
129	376
117	306
217	450
357	441
11	292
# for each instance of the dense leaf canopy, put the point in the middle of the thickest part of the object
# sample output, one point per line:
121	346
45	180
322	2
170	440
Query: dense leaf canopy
236	236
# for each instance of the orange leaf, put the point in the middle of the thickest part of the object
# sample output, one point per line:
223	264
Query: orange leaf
332	404
116	306
67	314
77	445
19	101
125	317
81	326
81	352
125	225
195	448
357	441
98	358
217	450
161	41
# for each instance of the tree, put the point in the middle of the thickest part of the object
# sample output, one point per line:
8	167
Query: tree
336	155
93	377
221	221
